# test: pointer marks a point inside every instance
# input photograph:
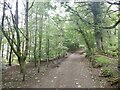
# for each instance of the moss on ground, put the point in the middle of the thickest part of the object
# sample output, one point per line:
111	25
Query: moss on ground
103	60
108	68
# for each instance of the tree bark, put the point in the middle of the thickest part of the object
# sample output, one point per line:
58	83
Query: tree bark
0	37
7	53
3	50
96	14
35	46
40	43
22	67
10	57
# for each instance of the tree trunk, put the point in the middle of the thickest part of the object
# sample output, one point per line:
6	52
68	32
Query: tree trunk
22	47
119	44
96	14
30	46
35	46
0	37
48	51
40	44
7	53
102	44
22	67
10	57
2	50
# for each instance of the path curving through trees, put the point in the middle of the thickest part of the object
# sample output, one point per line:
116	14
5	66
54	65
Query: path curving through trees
72	73
75	71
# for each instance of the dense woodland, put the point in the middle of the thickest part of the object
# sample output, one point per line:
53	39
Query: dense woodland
45	31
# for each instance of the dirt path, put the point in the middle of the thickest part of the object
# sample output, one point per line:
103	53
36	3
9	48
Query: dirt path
72	73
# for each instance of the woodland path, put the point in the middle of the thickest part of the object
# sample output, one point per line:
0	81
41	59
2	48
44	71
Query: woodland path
74	72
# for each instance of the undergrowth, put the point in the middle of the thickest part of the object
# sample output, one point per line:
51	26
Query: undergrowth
108	68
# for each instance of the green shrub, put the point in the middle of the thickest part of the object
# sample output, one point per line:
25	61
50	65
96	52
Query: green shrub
107	72
72	46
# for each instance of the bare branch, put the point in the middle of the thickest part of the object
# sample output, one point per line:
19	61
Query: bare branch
114	3
113	26
31	5
75	12
6	36
11	30
109	27
13	19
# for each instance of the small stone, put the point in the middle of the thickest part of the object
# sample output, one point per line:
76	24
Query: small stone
12	78
76	83
55	77
79	86
51	80
75	79
38	81
92	77
36	77
43	74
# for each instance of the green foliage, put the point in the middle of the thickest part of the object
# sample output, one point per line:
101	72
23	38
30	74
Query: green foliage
107	72
108	68
103	60
72	46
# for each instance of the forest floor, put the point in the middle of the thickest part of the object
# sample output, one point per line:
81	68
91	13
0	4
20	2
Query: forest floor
72	72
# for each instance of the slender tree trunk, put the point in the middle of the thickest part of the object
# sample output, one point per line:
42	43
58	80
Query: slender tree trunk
40	43
48	51
23	46
7	53
119	47
119	44
24	56
17	31
115	32
102	44
35	46
30	46
10	30
10	57
0	37
3	50
47	47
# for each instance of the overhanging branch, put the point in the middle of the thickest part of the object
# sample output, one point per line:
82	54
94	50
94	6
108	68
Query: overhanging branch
31	5
114	3
111	27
